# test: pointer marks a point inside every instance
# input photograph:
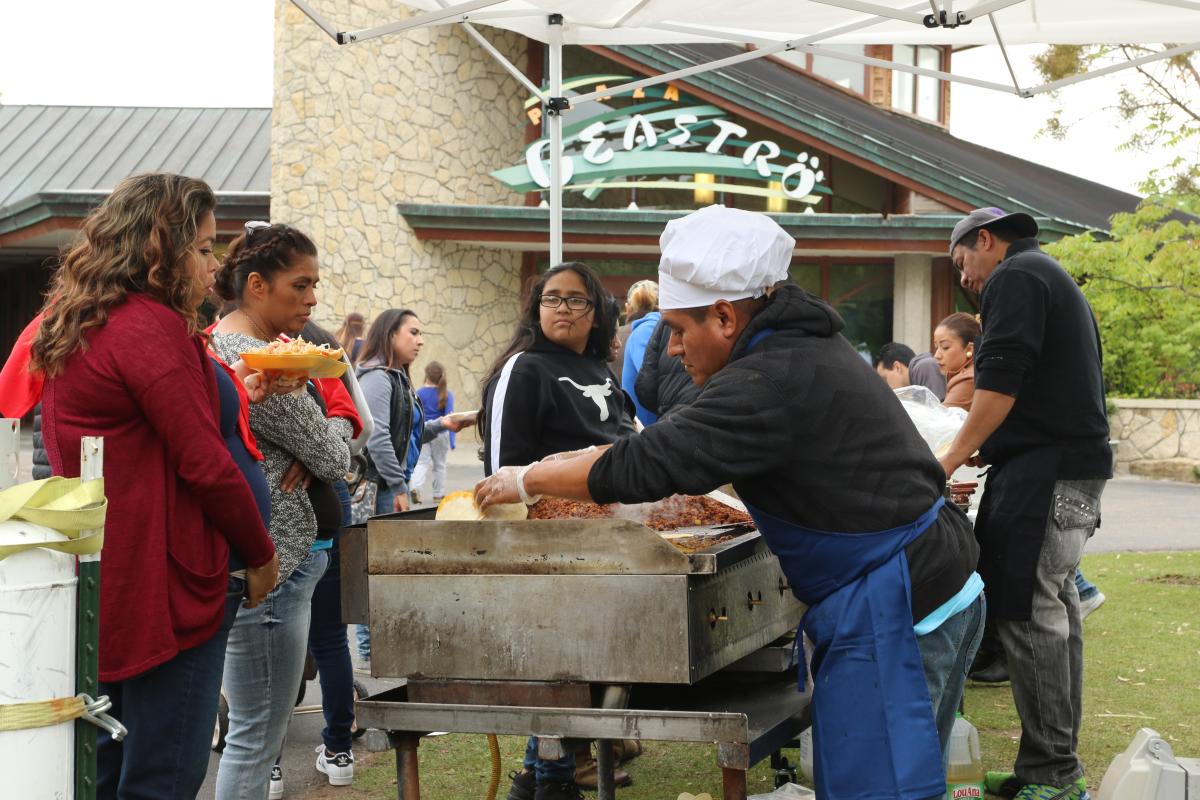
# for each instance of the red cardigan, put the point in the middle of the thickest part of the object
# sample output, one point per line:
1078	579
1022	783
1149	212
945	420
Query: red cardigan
176	500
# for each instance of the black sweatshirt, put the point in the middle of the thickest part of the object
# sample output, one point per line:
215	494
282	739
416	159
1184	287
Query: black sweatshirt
806	431
549	399
1040	344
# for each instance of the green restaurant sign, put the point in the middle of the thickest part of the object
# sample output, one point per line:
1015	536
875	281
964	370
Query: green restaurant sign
666	140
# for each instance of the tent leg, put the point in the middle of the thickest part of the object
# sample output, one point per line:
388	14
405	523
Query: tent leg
554	120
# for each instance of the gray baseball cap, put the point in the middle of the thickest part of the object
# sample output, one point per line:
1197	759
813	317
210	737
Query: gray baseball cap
982	217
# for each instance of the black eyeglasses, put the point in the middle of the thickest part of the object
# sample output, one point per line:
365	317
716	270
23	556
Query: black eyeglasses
573	303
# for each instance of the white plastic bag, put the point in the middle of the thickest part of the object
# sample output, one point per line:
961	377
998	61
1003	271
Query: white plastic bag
937	424
789	791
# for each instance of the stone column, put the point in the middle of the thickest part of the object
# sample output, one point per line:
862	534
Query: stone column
912	300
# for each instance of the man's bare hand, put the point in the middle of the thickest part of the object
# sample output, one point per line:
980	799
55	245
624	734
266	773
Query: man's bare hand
400	502
260	581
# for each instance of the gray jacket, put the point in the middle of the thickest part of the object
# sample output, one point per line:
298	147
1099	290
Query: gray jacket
393	403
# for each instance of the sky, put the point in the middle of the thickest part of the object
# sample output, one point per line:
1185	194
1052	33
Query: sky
219	53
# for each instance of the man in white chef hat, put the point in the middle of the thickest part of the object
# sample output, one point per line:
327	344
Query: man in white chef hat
840	485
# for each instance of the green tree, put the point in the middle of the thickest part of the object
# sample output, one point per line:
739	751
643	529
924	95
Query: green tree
1162	107
1144	285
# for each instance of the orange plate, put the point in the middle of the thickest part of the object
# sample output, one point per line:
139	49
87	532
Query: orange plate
315	366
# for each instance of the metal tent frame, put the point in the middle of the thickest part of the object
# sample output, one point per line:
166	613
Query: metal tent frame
942	20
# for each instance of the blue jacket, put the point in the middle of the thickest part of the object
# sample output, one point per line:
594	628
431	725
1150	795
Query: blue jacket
635	351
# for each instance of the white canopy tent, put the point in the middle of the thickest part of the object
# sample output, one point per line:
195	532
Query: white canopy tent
773	26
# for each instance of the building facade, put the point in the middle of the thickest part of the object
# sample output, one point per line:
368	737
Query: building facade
416	163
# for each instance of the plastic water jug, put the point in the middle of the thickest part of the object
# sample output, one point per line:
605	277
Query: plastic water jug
964	764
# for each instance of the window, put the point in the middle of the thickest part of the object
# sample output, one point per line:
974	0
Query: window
847	74
917	94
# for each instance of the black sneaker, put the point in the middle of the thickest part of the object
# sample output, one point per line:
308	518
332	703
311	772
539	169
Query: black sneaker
523	785
558	790
995	672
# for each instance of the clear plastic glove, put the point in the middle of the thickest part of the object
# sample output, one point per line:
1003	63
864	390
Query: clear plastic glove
505	485
569	454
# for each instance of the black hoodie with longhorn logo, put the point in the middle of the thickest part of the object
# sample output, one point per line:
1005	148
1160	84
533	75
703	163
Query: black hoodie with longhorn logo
550	399
806	431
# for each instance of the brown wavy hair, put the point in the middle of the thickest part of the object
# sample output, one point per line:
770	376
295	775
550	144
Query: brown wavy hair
137	240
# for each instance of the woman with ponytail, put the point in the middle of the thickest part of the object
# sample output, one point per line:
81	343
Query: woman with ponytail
270	273
436	401
123	358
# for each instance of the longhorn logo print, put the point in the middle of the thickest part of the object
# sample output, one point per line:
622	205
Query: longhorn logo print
597	393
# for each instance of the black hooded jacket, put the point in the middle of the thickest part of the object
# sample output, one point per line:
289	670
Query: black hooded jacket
806	431
549	399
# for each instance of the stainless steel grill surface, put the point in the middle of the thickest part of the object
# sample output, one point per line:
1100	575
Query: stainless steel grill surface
595	600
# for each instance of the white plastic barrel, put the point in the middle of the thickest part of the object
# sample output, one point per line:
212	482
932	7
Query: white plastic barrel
37	661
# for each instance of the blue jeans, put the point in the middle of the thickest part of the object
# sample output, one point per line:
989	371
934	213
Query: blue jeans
1085	587
331	649
558	770
946	655
384	504
165	755
264	664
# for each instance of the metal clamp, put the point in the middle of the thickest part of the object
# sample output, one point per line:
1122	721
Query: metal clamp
94	711
941	20
557	105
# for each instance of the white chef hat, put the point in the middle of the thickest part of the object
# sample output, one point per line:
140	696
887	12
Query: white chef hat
720	253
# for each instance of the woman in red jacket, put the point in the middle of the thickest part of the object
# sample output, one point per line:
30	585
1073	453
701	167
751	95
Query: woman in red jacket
123	358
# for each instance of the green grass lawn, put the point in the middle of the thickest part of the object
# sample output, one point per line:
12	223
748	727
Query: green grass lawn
1142	651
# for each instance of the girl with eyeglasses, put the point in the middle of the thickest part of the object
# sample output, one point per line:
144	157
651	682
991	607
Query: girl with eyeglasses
553	391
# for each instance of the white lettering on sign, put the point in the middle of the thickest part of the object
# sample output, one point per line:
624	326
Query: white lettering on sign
648	136
685	133
597	150
762	163
798	179
727	128
538	170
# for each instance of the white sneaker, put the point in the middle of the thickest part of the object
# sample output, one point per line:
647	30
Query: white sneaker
276	791
338	766
1091	604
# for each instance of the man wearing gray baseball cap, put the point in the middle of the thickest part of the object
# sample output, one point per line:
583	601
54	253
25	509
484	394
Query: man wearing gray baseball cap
1038	419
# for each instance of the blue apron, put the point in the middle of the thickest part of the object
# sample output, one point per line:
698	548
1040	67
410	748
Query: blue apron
874	735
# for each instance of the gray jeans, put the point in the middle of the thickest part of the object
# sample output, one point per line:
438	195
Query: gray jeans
1045	653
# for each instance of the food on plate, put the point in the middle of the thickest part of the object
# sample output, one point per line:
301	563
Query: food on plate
461	506
299	347
296	358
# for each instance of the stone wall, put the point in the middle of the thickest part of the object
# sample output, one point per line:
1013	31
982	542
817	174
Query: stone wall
1158	438
421	117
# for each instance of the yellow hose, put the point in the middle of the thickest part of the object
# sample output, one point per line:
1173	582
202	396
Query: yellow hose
494	749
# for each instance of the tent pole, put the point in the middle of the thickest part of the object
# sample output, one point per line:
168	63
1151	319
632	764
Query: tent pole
1004	52
554	122
458	13
1096	73
320	21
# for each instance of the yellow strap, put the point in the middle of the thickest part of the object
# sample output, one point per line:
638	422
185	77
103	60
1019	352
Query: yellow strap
41	713
72	507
